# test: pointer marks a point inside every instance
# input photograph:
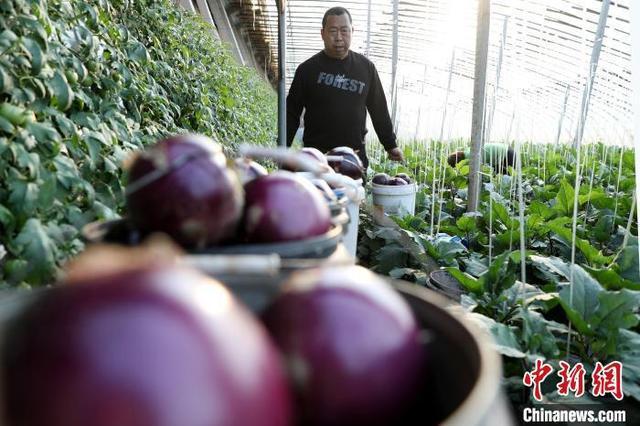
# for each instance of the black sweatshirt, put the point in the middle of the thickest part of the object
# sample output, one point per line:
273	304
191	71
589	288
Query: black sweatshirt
336	94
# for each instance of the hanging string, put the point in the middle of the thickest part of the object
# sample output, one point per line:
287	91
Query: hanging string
578	149
523	269
625	240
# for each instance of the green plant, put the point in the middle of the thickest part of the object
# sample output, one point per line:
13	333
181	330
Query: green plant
83	84
532	320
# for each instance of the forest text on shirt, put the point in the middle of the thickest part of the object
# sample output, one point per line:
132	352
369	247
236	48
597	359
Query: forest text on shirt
340	82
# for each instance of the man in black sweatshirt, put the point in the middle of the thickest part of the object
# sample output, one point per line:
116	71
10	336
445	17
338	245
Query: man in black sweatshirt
336	87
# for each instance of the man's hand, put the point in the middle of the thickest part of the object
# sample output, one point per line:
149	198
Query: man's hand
395	154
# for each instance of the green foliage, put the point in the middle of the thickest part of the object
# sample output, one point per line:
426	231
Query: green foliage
599	310
84	83
565	198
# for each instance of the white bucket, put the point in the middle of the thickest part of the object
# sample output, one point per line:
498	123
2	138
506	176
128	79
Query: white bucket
395	200
355	194
350	239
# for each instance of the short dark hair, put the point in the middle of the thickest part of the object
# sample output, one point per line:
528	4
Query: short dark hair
455	158
510	159
337	11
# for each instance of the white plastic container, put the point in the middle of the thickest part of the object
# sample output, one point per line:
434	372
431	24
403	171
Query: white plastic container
354	191
353	208
356	197
395	200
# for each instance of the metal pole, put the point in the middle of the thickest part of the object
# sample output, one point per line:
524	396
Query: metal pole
424	78
394	63
446	98
562	114
282	76
482	50
635	63
368	29
503	43
186	5
593	66
510	129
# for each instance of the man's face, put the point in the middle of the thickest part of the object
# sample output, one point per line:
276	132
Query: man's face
336	35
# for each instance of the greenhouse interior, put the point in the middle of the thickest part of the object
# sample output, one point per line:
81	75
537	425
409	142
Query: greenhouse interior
336	213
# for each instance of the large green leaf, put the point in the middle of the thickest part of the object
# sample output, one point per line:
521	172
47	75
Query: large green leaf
592	254
629	355
138	53
627	261
66	126
445	250
468	282
505	340
34	243
7	38
617	309
541	209
536	335
24	196
467	223
67	171
611	280
43	132
48	191
35	27
594	196
535	225
603	228
475	264
565	198
501	214
7	219
509	238
28	160
390	257
522	293
36	55
93	147
7	126
580	299
500	275
62	93
551	267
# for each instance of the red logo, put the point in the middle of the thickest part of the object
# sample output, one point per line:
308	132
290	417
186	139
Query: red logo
572	379
536	377
607	379
604	379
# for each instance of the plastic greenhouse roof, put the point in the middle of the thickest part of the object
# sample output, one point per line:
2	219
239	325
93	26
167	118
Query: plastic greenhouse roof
539	55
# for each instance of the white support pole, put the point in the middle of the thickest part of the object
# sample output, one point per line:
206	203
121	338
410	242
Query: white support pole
223	24
282	75
477	121
635	64
577	142
446	97
186	5
521	208
562	114
593	66
510	128
503	42
424	78
394	63
204	10
368	29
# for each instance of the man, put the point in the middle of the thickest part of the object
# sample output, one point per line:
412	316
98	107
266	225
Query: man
337	87
498	154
